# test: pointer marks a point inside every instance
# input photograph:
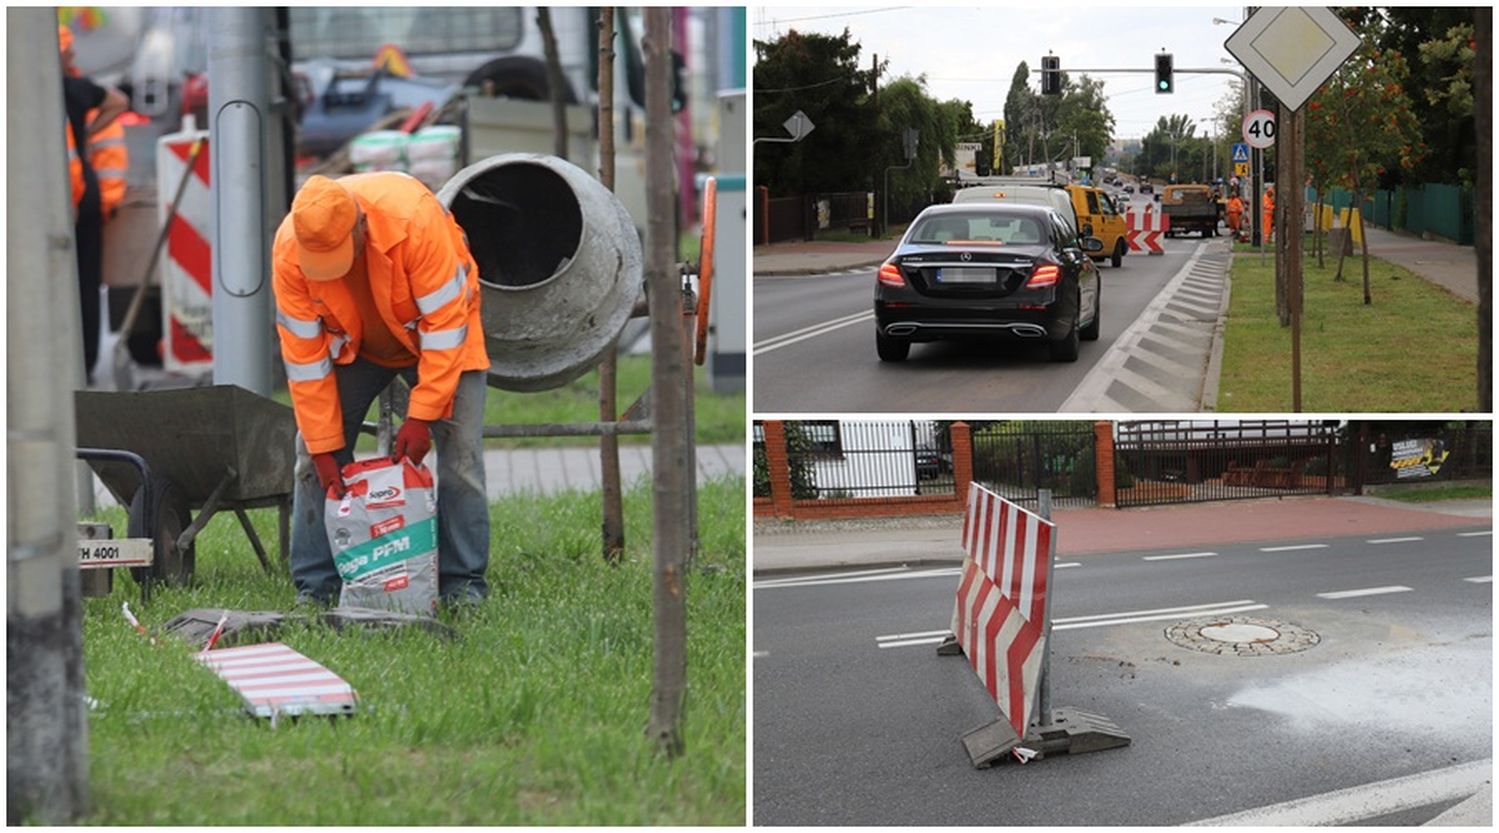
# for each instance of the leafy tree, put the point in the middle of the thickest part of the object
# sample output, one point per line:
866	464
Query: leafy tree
904	104
1020	118
821	76
1083	112
1366	122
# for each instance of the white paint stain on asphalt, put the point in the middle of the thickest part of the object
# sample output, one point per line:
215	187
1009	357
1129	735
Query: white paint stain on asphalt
1367	591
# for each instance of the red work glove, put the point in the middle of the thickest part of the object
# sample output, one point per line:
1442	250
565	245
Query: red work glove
327	473
413	441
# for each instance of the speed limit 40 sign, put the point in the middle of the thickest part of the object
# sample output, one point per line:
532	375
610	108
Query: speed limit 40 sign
1259	129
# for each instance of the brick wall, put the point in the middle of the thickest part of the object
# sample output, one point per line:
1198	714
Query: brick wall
1103	463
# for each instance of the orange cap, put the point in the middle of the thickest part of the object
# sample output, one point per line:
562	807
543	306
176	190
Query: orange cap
64	38
323	216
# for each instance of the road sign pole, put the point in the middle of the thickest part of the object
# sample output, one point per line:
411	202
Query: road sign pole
1293	196
1043	508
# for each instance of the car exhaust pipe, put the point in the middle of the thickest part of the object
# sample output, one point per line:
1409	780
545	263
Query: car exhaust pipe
1028	330
900	329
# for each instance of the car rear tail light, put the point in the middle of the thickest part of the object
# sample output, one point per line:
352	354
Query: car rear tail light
1047	274
890	275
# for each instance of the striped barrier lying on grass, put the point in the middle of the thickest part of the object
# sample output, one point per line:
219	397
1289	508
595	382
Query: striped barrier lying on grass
1001	622
275	680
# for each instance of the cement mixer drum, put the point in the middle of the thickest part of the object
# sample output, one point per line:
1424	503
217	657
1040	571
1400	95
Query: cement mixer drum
559	264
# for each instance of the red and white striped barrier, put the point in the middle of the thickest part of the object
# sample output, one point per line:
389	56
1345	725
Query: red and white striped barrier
1000	615
187	265
276	680
1145	229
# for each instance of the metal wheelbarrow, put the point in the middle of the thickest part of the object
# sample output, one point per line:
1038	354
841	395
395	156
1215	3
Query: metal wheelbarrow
164	453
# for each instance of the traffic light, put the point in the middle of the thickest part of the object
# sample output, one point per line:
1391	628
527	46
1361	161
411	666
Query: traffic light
1164	83
1051	75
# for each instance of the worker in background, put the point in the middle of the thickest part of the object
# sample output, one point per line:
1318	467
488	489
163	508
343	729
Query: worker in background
80	96
373	279
107	152
1235	211
1267	231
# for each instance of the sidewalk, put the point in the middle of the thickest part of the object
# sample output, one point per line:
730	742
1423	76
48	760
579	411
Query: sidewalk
825	545
1448	265
815	257
565	468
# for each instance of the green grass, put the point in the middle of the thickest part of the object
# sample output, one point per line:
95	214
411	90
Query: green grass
535	714
720	417
1429	494
1413	349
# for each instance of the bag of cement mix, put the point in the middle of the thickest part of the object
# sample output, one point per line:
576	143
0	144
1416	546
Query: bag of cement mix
379	150
440	141
383	533
434	173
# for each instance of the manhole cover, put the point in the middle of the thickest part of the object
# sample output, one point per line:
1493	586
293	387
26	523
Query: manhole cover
1244	636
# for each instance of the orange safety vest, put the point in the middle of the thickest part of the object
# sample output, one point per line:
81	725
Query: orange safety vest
75	168
425	284
111	161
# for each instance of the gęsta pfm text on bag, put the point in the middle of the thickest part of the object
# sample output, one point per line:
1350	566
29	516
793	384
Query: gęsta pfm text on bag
383	533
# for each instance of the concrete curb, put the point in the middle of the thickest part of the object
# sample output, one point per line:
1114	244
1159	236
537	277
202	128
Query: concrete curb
1208	400
1477	811
862	565
794	273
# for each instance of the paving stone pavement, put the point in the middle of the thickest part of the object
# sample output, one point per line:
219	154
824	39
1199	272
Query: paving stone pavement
1163	362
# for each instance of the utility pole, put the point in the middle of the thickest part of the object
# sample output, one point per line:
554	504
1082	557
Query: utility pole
239	113
46	720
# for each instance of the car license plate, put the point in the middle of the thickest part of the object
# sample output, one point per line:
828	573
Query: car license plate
965	274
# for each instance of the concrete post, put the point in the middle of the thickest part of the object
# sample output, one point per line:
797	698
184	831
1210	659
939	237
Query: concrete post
46	724
239	120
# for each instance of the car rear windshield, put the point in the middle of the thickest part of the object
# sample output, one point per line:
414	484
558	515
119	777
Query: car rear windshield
986	227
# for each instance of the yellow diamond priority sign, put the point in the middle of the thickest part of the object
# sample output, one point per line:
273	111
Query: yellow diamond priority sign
1292	50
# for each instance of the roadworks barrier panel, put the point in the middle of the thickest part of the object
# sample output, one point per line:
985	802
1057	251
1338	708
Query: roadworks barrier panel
1001	623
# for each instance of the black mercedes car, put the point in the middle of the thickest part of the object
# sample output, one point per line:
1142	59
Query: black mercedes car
968	270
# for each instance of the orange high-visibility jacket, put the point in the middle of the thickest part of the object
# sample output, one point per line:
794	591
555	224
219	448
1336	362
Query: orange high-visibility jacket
75	168
425	284
111	161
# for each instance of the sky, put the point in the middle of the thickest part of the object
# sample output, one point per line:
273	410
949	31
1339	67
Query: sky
971	53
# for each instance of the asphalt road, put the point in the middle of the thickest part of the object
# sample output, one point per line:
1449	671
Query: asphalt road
814	348
847	732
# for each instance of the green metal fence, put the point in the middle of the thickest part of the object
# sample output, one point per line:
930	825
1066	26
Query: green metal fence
1443	210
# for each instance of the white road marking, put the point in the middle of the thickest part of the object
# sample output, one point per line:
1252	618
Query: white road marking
759	654
1181	555
1394	540
1294	547
1367	801
1481	579
1475	534
788	339
1105	622
895	577
932	640
1367	591
943	632
1067	564
1189	609
792	579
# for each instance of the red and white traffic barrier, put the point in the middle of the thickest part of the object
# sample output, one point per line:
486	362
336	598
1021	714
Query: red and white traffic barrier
1145	229
999	618
187	265
276	680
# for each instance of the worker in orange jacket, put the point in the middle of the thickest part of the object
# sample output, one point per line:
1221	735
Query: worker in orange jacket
1235	211
111	162
373	279
1267	231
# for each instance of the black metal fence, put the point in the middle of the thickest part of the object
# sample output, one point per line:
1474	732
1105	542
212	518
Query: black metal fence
785	218
761	462
1016	458
1187	462
845	460
1418	452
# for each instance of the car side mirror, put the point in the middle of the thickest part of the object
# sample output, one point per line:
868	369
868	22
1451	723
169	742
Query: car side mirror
1091	243
1087	229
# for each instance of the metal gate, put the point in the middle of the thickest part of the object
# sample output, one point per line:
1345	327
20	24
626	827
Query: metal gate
1421	452
1018	457
1187	462
843	460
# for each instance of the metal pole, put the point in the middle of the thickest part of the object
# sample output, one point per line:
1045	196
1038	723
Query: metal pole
1293	195
1043	508
612	493
239	116
671	541
46	722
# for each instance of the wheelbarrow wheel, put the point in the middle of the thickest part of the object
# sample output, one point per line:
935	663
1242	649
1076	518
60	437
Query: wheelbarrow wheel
162	522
